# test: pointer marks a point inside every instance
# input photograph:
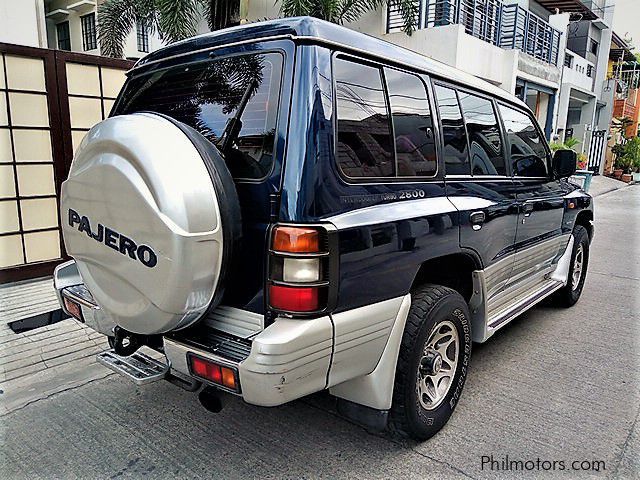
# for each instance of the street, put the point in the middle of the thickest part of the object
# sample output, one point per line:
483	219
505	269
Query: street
557	385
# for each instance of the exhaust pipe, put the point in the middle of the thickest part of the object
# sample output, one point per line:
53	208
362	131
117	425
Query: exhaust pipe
210	399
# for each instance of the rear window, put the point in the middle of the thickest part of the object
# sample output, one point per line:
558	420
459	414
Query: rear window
207	95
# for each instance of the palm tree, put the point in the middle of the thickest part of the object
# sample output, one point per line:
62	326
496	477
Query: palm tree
345	11
172	19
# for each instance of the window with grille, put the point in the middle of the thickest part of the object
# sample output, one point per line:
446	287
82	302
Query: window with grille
64	38
568	60
142	36
89	40
589	70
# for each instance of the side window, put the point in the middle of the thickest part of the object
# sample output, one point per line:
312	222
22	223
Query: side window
529	156
485	144
364	142
456	151
412	124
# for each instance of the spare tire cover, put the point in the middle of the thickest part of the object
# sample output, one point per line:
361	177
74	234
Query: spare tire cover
150	214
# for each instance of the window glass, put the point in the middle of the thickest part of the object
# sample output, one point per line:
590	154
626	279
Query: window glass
89	40
207	95
456	151
485	144
64	38
364	143
142	36
529	156
412	124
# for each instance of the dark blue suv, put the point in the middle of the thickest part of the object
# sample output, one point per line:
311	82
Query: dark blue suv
287	207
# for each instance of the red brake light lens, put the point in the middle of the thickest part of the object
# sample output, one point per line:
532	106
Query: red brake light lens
218	374
294	299
296	240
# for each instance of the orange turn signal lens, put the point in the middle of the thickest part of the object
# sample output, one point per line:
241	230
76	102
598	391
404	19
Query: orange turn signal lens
228	378
296	240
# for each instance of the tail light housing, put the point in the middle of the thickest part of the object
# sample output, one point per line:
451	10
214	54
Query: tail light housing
220	375
302	269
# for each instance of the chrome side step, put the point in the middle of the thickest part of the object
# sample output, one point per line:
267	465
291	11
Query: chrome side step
513	310
139	368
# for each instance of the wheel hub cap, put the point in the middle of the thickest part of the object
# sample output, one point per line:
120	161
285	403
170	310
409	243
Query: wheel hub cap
431	363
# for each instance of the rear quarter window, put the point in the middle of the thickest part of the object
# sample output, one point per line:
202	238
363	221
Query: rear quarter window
206	95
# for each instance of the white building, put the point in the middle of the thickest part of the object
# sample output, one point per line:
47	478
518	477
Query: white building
22	23
71	25
518	45
586	97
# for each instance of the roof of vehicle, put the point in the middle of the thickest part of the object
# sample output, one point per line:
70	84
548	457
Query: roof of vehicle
314	30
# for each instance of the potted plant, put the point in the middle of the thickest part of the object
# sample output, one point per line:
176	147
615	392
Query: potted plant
631	160
618	164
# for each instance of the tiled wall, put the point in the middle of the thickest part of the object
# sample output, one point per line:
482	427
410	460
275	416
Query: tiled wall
92	91
29	226
29	223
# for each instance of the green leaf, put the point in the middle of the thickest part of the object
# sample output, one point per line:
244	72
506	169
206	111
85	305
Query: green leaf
176	19
116	19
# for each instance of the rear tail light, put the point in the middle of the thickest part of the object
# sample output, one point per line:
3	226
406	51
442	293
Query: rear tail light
299	269
220	375
294	299
296	240
73	308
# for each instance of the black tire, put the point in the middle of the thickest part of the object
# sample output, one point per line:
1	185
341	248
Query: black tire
568	296
431	305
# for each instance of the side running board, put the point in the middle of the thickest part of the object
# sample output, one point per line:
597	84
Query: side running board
139	368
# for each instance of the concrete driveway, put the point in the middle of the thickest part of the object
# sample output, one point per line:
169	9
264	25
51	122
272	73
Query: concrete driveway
555	385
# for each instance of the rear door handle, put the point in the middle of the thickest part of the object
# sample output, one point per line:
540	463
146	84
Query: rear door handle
476	219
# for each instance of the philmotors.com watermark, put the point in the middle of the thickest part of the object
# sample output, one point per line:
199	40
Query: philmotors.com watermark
505	463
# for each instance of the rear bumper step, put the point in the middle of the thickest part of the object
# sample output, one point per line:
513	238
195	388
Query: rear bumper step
139	368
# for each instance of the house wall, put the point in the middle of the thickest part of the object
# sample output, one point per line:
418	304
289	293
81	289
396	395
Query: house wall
576	76
75	30
22	22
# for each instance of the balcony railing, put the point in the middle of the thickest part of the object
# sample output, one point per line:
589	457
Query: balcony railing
507	26
529	33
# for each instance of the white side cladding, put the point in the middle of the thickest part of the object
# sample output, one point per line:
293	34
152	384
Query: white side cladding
288	360
359	339
374	389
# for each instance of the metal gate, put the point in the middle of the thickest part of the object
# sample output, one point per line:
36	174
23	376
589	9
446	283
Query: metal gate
596	150
48	100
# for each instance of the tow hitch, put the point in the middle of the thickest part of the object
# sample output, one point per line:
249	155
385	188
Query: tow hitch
126	343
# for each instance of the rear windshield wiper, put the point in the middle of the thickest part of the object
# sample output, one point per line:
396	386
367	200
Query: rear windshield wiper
234	125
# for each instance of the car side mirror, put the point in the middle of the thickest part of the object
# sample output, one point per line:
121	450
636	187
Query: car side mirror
564	163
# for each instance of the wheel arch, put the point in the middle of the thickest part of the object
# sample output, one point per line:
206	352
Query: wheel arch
585	219
453	270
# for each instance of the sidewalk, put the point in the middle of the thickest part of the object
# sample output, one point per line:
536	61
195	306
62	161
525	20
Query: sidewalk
601	185
47	360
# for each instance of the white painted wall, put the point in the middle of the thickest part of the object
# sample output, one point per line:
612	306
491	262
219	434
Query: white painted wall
22	22
75	30
576	76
